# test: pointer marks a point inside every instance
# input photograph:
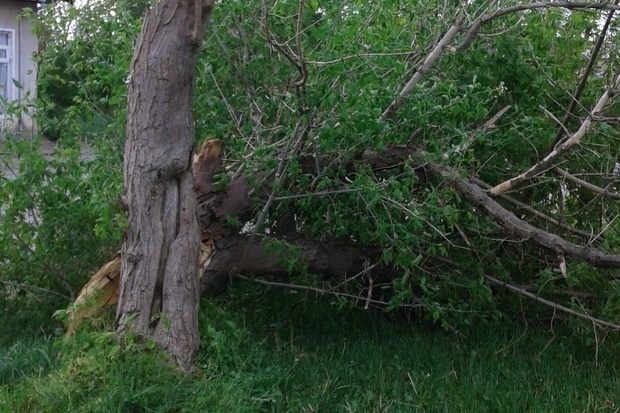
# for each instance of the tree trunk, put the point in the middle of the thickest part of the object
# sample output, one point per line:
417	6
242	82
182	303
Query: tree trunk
159	280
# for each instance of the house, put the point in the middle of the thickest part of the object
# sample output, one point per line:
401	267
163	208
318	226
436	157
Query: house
17	69
18	72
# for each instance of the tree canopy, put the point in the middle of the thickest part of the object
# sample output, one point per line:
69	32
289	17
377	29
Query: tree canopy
440	157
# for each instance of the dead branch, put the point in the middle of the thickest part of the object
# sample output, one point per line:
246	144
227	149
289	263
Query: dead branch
596	189
430	59
584	78
477	197
570	5
547	162
555	306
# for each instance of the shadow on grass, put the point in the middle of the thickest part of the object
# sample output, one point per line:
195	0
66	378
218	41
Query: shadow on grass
269	350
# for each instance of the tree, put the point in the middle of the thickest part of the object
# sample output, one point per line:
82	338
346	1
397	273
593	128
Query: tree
159	289
397	187
372	145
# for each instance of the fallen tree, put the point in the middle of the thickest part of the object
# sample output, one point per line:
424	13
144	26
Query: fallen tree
404	200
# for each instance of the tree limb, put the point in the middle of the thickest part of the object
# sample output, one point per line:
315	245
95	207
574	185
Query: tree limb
534	212
477	197
431	58
475	28
555	306
546	163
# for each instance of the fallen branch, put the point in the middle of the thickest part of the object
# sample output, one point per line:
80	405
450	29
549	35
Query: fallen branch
330	260
431	58
596	189
555	306
366	300
535	212
547	162
477	197
475	28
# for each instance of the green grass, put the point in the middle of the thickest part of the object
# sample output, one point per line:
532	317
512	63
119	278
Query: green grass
273	351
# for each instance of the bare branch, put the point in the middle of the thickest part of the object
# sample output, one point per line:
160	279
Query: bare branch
583	81
431	58
319	193
475	28
597	189
478	198
355	56
555	306
546	163
367	300
535	212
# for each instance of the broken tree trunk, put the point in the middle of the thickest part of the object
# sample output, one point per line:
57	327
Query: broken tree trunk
159	279
222	249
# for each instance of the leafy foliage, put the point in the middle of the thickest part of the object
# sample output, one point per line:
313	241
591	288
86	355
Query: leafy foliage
352	59
60	217
280	82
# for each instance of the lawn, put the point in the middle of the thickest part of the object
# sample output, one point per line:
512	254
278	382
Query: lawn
276	351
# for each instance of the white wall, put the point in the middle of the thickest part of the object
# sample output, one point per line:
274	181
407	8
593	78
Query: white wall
24	70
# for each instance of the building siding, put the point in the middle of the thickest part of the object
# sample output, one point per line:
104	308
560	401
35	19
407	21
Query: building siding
24	70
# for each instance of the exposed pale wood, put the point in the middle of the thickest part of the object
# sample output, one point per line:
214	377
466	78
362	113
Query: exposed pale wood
100	292
547	162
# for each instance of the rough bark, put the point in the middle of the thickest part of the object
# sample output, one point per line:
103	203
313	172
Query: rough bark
330	260
159	278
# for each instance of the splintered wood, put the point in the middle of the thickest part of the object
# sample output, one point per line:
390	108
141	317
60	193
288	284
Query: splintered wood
103	288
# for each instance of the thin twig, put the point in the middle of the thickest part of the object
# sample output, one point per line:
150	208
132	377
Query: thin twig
320	193
35	288
596	189
555	306
355	56
473	30
322	291
348	280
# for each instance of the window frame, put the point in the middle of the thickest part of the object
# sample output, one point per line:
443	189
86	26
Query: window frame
10	61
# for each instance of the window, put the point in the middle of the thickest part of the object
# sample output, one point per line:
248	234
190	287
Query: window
5	67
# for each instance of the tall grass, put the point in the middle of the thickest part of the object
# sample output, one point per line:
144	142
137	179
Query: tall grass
274	351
